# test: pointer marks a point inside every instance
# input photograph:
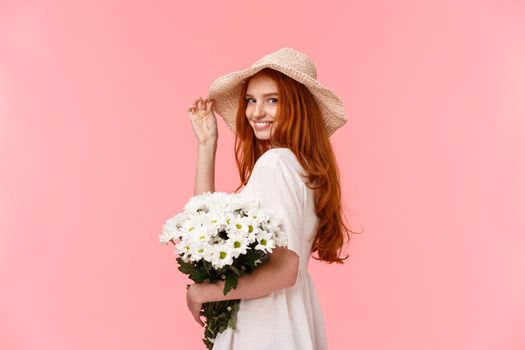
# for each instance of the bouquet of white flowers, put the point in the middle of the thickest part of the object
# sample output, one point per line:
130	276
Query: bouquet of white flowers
221	236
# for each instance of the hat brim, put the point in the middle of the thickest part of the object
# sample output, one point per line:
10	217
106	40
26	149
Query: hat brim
226	89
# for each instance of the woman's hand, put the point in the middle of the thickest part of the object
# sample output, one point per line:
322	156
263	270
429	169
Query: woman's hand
194	303
203	120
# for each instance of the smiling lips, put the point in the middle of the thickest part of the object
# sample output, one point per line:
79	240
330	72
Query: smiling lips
262	125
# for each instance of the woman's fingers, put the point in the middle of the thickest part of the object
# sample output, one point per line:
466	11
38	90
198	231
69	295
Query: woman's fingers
209	105
197	316
194	306
201	104
198	319
193	106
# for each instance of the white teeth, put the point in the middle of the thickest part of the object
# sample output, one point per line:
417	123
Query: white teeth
268	123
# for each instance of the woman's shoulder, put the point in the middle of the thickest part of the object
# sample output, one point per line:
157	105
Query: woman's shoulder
277	171
277	157
283	159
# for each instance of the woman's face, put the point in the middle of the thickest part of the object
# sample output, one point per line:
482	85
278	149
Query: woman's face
261	108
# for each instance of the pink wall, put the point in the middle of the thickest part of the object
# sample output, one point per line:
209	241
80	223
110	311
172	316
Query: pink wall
96	151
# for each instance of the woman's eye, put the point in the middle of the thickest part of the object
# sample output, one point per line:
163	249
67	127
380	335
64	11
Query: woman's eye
270	99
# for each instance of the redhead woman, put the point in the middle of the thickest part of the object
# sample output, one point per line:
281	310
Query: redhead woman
282	118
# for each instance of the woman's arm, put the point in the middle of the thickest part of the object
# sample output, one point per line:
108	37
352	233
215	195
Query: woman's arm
279	271
205	173
204	124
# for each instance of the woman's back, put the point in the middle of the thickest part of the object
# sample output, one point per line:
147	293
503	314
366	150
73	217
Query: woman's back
289	318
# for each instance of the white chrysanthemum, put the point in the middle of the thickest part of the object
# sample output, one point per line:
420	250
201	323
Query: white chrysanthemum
199	231
266	242
238	224
222	255
281	239
234	202
264	216
188	224
197	250
167	235
201	235
193	227
198	203
171	228
215	220
221	197
254	226
208	253
228	217
271	225
239	242
182	248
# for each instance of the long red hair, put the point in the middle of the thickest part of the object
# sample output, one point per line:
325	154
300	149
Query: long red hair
303	132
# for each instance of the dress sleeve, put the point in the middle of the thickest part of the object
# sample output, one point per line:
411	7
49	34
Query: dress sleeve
282	192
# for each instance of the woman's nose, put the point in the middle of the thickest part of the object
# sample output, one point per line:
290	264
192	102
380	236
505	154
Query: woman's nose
259	110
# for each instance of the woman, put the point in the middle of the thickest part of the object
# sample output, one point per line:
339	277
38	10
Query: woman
282	118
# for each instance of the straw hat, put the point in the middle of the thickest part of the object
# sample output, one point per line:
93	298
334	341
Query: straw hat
295	64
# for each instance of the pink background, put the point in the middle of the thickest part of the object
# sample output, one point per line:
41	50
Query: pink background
96	152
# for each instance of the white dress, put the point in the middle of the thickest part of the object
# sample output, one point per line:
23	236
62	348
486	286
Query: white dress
290	318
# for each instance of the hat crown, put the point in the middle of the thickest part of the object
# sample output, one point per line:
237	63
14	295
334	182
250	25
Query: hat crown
291	58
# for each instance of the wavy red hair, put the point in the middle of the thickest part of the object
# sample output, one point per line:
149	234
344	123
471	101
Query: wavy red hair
303	132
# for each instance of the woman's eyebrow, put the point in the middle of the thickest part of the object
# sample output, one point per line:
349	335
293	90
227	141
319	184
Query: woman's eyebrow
269	94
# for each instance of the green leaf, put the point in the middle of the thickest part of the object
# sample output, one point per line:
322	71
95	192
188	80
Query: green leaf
235	270
230	283
195	274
